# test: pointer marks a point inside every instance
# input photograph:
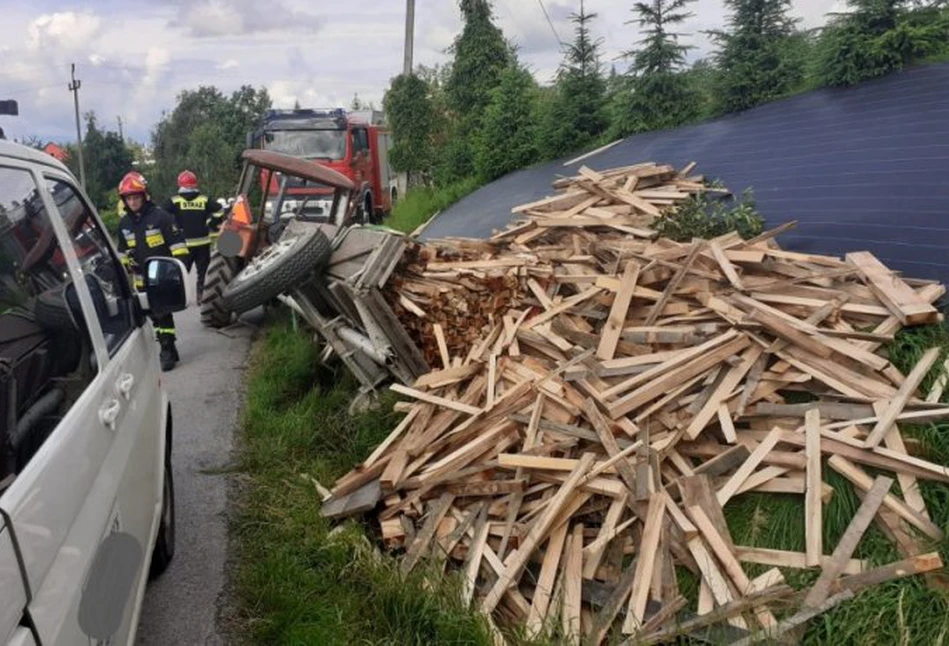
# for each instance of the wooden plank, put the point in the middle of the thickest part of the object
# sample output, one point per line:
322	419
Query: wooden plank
727	267
564	306
544	589
848	542
723	390
392	437
613	329
901	299
592	558
572	582
357	502
939	386
420	545
795	560
725	421
731	487
651	390
864	482
774	633
433	399
673	285
814	527
517	560
728	560
645	563
912	382
607	615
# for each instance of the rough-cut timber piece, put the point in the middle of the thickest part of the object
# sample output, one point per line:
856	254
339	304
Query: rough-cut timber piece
898	297
813	525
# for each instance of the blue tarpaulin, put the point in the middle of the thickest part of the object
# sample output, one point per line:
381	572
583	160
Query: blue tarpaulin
862	168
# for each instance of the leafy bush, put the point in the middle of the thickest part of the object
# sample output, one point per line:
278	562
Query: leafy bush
706	218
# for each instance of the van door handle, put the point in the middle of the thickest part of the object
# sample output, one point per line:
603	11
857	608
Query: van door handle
124	385
109	413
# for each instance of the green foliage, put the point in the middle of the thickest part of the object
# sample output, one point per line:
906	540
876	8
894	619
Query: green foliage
701	217
205	133
106	159
879	37
507	140
410	112
419	205
657	94
753	62
480	57
576	114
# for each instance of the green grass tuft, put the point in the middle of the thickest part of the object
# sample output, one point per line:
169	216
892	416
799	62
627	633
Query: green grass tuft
420	204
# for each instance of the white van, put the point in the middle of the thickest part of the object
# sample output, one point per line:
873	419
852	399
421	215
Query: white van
86	496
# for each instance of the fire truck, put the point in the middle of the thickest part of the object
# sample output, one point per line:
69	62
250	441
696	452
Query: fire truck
355	144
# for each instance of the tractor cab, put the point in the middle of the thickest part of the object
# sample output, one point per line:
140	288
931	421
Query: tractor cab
275	189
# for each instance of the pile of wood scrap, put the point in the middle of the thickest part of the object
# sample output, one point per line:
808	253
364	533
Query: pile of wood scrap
574	451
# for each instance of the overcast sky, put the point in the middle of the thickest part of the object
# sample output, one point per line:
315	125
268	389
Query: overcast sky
134	56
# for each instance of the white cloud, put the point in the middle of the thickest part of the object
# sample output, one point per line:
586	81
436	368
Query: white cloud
229	64
210	18
66	31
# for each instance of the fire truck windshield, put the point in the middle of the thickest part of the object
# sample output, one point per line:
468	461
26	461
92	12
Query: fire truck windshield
308	144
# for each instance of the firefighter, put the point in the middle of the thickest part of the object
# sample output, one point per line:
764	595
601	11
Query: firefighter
147	231
199	217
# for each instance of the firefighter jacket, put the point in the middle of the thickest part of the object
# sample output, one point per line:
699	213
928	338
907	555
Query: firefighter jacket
148	234
197	215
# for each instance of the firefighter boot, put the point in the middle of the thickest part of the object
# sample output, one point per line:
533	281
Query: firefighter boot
169	354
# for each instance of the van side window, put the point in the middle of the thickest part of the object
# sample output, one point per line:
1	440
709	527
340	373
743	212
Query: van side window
46	354
108	283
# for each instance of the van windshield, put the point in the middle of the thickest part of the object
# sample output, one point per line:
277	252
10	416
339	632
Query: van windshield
308	144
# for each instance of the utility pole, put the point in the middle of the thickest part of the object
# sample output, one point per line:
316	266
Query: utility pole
409	35
74	88
121	135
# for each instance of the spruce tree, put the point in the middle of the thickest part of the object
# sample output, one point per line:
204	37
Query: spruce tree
506	140
659	95
411	116
752	56
481	55
576	115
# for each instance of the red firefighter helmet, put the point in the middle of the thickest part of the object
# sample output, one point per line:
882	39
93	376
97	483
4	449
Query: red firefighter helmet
187	180
133	182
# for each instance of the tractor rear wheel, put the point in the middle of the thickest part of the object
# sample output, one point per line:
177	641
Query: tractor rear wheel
221	271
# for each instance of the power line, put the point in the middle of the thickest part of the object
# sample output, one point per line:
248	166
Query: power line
550	22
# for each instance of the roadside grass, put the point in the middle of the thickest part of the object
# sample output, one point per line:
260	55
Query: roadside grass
299	580
419	204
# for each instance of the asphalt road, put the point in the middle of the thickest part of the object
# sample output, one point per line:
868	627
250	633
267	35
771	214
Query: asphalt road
184	606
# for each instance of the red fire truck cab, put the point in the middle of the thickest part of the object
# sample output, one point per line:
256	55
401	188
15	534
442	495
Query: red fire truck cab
355	144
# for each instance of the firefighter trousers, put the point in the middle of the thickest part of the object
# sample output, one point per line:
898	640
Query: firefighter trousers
202	258
164	327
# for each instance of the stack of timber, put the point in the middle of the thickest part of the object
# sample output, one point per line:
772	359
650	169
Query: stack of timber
582	435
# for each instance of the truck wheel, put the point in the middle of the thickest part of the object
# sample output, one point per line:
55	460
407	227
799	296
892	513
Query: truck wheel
281	266
221	271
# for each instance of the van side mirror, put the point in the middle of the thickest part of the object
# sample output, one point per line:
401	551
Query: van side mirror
165	286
